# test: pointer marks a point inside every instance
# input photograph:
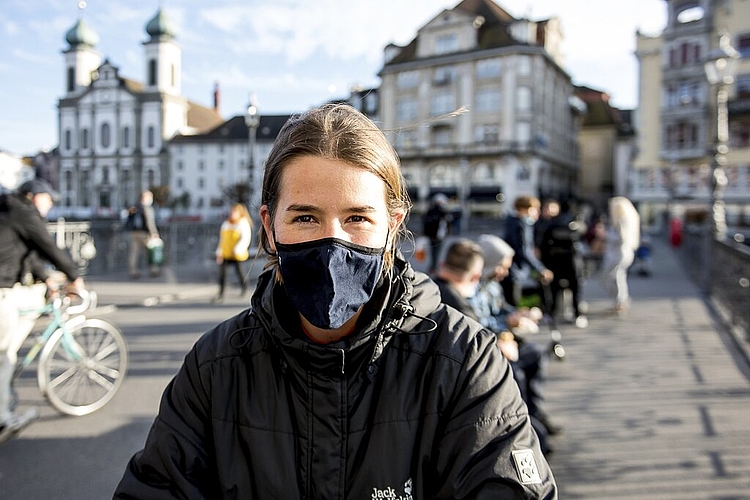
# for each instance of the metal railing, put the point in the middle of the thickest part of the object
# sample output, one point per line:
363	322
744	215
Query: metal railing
727	277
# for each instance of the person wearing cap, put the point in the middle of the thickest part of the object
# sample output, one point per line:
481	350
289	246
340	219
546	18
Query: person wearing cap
530	360
24	241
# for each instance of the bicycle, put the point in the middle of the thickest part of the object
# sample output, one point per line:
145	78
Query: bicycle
83	360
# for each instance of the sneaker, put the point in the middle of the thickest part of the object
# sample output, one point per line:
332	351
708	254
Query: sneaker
582	321
17	423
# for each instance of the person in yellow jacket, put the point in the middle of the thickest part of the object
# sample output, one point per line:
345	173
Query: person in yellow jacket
233	249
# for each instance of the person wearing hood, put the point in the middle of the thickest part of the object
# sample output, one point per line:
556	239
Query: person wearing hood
24	242
346	377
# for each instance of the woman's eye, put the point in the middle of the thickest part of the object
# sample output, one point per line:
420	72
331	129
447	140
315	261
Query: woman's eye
305	219
358	218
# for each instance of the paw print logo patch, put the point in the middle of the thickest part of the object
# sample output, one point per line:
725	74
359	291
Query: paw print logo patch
528	472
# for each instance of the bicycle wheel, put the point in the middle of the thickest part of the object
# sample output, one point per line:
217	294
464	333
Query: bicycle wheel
81	370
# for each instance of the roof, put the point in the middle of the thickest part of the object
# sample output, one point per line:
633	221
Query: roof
600	113
160	25
235	129
81	34
201	117
493	32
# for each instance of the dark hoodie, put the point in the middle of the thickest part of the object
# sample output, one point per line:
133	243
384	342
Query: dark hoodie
416	403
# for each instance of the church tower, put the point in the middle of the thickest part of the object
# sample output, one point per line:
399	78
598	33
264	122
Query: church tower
81	57
163	57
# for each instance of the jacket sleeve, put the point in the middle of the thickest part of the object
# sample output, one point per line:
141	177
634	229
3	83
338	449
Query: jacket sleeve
489	448
33	231
175	462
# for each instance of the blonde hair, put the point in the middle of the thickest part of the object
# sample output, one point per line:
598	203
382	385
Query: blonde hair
244	214
337	132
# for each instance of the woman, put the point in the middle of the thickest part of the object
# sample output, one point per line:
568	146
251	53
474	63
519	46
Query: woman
346	378
234	240
621	240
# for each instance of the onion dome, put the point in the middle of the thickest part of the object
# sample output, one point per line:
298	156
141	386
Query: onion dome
81	34
160	26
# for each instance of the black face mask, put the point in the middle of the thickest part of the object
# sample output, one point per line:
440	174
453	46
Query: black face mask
328	280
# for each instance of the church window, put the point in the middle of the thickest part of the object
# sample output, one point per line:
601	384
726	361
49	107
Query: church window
105	135
126	137
85	138
71	79
150	139
152	72
68	140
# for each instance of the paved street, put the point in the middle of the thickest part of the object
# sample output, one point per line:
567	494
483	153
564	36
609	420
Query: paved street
654	405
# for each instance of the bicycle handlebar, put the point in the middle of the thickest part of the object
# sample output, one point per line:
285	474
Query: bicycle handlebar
88	300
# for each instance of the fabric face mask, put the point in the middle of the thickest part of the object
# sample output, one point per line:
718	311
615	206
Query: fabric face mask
328	280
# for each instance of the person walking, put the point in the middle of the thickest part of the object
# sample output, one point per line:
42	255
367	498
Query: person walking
235	237
436	225
24	241
622	239
141	223
346	378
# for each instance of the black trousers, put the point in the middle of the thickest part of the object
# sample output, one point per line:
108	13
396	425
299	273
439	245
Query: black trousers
237	265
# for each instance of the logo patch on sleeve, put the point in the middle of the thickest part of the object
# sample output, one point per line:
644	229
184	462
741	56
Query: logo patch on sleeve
528	472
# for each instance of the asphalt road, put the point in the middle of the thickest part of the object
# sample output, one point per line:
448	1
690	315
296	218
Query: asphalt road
61	457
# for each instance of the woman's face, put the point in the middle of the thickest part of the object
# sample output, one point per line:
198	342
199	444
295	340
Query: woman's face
323	198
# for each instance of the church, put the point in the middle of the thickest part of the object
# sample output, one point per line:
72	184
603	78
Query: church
114	131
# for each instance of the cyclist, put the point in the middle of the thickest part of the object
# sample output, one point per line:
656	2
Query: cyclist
24	241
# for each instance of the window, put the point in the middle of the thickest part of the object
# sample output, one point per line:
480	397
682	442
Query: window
171	75
488	68
85	138
180	165
71	79
179	182
221	164
488	100
487	134
524	66
444	75
442	102
446	43
201	183
152	72
105	138
406	109
126	137
68	140
150	139
406	139
523	99
105	175
442	136
150	176
201	165
407	79
523	133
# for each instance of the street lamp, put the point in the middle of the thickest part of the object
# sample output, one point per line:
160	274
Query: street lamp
720	69
252	120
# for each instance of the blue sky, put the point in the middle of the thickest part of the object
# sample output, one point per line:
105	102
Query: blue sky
292	54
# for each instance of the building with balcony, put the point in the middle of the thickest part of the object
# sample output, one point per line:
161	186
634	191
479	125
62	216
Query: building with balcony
676	118
479	108
113	131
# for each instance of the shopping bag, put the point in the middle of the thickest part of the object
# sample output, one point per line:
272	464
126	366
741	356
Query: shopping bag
155	251
421	247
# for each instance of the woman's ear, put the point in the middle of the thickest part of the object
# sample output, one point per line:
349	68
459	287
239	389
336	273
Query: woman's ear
265	219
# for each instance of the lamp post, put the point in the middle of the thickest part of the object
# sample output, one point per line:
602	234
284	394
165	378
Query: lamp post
720	68
252	120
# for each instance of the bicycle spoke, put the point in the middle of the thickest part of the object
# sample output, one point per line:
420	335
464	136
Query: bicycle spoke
59	379
100	380
103	353
103	370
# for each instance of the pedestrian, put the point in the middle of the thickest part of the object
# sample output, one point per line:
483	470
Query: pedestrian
141	222
435	227
458	275
24	241
346	378
559	240
527	269
235	236
622	239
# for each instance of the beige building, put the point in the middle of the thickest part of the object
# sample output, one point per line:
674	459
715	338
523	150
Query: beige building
479	108
676	120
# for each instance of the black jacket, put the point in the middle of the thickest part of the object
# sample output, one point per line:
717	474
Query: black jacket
417	403
23	239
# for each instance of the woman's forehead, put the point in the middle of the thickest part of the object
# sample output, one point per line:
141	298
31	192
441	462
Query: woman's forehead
309	178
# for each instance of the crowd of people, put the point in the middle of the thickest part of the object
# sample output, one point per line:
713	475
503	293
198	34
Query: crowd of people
514	286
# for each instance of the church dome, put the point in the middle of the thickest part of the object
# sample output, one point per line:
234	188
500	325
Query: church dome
81	34
160	26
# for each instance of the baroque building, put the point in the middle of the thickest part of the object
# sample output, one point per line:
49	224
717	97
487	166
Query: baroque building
677	114
479	108
113	131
